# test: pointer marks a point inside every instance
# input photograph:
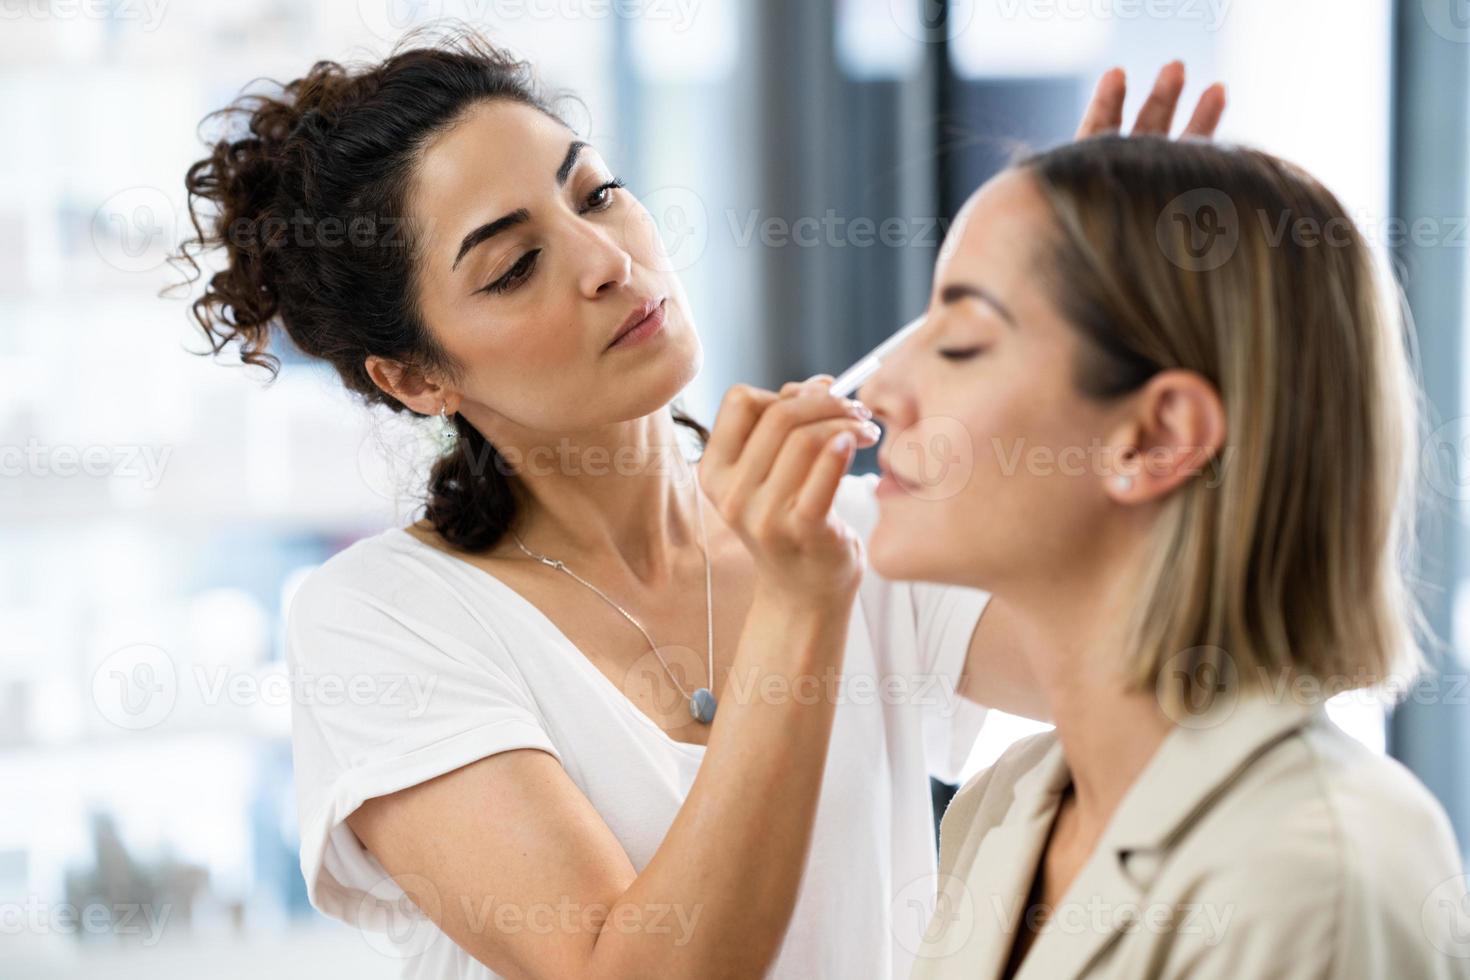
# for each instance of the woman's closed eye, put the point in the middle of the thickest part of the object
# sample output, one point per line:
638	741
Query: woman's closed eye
600	199
963	353
516	275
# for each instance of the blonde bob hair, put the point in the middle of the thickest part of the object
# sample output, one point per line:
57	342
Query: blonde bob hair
1291	560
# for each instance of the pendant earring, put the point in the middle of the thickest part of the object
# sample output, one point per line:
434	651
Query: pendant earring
447	435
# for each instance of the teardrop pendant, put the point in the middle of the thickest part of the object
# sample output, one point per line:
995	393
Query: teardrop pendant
702	706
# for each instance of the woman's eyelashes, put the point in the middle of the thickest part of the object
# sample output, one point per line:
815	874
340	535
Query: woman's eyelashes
963	353
600	199
517	274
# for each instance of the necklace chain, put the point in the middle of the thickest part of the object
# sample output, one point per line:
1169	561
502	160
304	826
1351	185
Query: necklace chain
696	708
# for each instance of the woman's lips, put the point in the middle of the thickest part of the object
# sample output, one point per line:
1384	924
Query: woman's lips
647	327
891	482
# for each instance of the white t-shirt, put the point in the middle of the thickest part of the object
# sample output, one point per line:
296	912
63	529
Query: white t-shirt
412	663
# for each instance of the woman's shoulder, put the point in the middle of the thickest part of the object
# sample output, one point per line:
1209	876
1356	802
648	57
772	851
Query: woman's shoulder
1323	835
1325	794
377	564
391	587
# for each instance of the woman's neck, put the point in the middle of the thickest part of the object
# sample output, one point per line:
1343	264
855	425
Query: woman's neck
619	498
1076	645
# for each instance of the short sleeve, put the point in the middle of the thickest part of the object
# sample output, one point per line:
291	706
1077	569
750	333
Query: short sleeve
390	690
944	618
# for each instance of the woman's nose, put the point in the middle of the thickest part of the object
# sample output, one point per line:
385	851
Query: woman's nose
889	392
882	399
606	265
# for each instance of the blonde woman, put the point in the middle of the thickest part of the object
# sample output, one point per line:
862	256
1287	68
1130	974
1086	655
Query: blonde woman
1190	487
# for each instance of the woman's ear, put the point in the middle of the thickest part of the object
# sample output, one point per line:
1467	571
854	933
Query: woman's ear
408	385
1175	426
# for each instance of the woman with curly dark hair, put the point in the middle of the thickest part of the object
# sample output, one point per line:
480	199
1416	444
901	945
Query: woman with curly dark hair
519	747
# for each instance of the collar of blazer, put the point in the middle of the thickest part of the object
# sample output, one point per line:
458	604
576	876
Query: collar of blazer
1191	768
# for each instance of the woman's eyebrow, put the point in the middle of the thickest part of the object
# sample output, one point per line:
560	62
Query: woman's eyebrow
955	292
568	162
488	231
519	216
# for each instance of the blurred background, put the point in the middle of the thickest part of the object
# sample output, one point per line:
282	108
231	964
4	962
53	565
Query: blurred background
803	161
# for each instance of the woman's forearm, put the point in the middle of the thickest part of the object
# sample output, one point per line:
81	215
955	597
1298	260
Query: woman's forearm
733	858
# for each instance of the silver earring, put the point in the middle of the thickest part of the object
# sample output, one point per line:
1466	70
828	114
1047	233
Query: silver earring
448	435
1124	483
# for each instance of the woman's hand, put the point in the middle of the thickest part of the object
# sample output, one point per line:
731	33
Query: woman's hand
772	468
1105	112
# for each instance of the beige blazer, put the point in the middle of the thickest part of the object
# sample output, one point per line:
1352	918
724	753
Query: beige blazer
1269	844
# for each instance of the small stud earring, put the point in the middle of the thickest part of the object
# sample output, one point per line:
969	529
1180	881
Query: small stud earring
1124	483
